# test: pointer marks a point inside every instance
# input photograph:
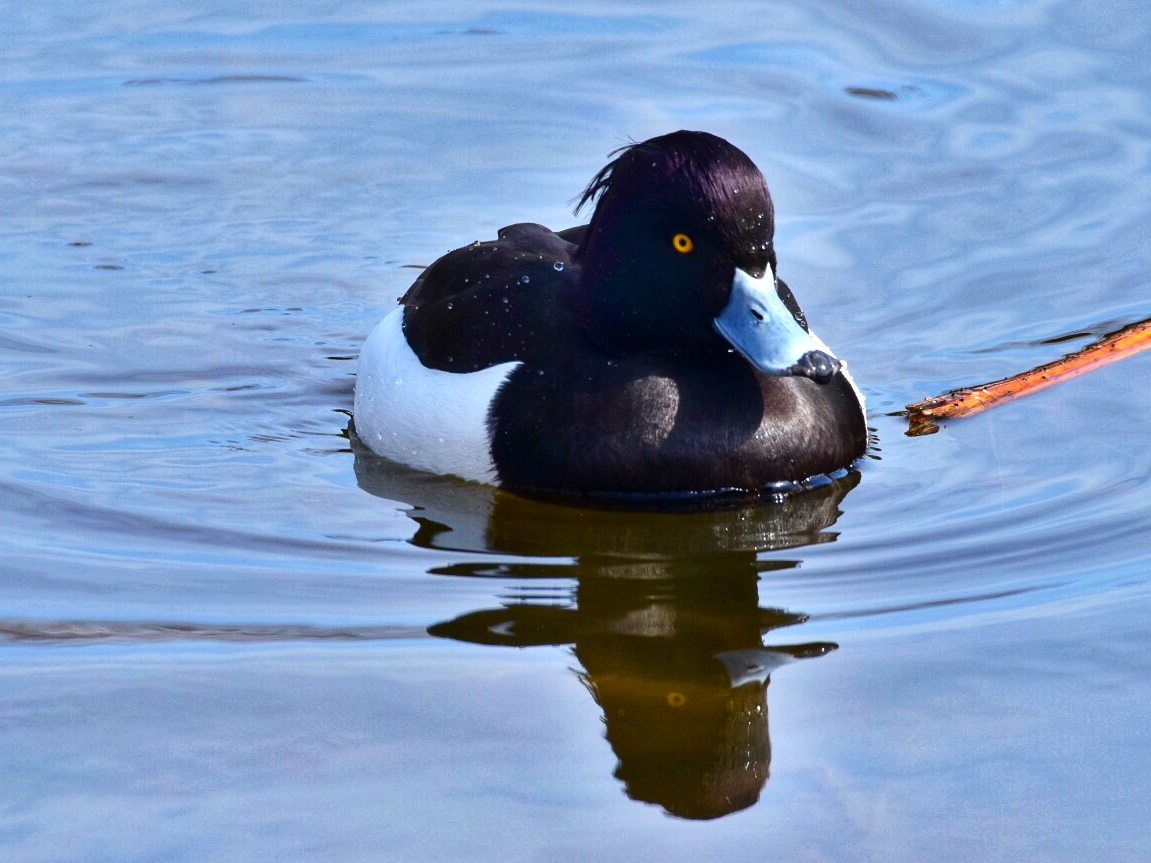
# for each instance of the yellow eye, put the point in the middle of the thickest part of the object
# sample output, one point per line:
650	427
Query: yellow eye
682	243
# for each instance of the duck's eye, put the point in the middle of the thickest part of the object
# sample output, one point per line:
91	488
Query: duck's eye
682	243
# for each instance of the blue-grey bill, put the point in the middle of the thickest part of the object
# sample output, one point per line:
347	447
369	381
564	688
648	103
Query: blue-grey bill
758	325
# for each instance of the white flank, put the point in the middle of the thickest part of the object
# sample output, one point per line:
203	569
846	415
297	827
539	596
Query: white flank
432	420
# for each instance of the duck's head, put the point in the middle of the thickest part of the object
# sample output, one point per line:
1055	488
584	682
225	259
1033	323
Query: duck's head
679	258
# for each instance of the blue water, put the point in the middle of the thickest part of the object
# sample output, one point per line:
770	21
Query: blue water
224	635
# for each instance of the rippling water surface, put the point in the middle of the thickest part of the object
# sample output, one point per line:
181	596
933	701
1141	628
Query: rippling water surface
226	634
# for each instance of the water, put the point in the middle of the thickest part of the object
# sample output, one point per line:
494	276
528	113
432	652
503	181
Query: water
224	635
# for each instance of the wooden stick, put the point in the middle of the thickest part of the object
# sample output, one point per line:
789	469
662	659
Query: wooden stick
921	416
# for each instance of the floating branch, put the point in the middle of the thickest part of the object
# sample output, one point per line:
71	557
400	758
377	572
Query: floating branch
922	416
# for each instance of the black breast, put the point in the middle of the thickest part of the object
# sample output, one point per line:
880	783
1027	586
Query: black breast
663	425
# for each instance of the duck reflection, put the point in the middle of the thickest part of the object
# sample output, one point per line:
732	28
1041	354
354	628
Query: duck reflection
664	619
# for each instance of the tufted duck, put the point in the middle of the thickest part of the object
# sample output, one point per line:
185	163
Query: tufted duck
650	353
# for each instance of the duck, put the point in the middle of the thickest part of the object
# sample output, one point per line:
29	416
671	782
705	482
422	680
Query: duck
652	353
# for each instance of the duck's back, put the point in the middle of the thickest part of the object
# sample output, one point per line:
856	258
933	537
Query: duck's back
494	302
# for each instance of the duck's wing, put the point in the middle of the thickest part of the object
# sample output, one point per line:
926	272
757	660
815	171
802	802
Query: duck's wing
491	302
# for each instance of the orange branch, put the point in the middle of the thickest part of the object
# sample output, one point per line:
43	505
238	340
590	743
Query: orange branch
963	402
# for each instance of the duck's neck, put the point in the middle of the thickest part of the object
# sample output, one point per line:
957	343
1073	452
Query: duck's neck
631	306
630	313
